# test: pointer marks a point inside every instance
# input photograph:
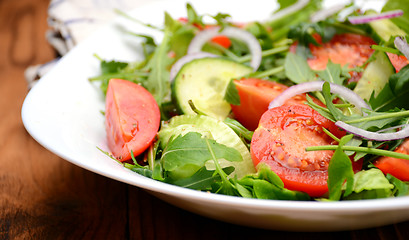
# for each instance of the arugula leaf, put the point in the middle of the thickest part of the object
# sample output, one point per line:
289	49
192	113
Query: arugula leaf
401	188
297	69
334	73
184	155
374	120
232	94
336	113
267	185
112	66
339	170
239	129
158	80
371	121
202	180
139	169
192	16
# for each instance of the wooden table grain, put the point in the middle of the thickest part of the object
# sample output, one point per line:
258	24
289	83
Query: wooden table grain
45	197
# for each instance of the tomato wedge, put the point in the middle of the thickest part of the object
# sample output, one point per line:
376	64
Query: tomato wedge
347	48
397	61
280	141
255	96
397	167
132	118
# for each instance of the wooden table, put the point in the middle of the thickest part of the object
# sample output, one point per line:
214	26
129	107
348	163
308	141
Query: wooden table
44	197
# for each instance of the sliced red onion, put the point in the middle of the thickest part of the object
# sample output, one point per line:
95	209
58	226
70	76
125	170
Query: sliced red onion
185	59
327	12
288	10
344	92
204	36
402	45
376	136
370	18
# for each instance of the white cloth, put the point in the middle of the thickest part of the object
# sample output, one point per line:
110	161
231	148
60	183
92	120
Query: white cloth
71	21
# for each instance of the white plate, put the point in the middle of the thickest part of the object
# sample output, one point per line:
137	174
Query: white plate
62	112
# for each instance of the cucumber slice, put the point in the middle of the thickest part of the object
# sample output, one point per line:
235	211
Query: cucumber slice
204	81
384	29
375	76
213	129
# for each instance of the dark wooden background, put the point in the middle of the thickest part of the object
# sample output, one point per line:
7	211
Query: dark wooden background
44	197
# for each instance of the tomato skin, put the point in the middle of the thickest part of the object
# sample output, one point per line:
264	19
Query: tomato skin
346	48
397	61
398	168
222	41
132	118
280	141
255	96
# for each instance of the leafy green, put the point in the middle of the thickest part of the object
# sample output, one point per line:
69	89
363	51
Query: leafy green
232	94
193	17
281	26
297	69
401	188
239	129
334	73
369	184
339	171
267	185
202	180
184	155
395	94
370	179
158	80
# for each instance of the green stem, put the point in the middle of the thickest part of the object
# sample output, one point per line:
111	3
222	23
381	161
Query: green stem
194	109
331	135
378	117
219	169
386	49
367	150
265	53
267	73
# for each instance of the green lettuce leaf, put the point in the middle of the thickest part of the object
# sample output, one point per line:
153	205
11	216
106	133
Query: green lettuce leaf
184	155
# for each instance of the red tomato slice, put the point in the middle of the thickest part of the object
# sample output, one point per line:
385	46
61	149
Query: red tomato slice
222	41
280	141
397	61
132	118
398	168
255	96
347	48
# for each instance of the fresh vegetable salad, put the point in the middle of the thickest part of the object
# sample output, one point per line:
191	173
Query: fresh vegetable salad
311	104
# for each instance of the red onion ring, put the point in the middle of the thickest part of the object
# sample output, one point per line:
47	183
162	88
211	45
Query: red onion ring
370	18
202	37
344	92
402	46
185	59
288	10
376	136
